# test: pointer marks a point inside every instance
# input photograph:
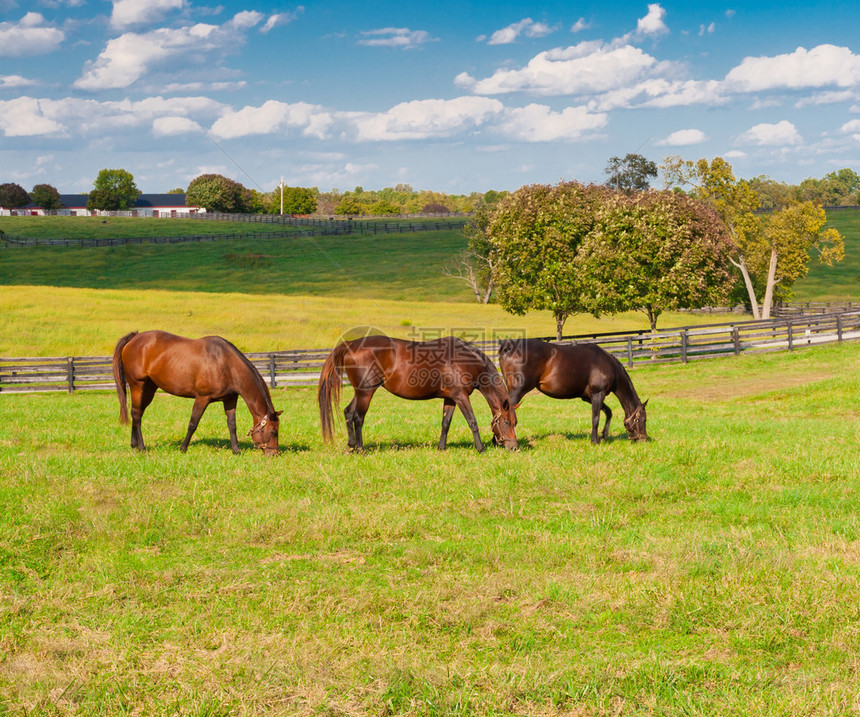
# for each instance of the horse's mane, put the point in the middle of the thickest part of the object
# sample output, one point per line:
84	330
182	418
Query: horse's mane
262	386
624	378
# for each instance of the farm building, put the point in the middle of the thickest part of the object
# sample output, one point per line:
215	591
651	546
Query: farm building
147	205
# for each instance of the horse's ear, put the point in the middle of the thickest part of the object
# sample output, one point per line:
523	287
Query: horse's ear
274	415
646	402
516	406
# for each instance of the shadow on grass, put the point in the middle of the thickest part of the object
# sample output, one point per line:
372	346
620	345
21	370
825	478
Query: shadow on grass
573	437
244	446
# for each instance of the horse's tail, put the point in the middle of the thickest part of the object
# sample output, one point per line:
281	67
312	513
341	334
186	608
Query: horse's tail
119	375
328	391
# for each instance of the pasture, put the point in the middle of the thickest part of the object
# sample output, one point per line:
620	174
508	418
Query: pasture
712	570
838	282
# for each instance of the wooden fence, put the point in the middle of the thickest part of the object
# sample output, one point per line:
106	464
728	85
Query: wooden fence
301	367
300	228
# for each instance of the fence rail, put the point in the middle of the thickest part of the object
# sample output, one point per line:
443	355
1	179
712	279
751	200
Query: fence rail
302	367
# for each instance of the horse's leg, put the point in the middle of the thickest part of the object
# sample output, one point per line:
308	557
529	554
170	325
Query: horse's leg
349	414
447	414
608	412
359	405
200	404
230	412
596	406
142	393
465	406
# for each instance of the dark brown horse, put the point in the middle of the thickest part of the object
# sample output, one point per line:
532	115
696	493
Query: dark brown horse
208	370
583	371
446	368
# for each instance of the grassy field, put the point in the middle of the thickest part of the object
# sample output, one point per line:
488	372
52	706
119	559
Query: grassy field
50	321
713	570
397	267
406	267
122	227
841	282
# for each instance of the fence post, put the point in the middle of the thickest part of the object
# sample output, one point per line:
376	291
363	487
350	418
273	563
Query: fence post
70	374
839	328
272	370
790	337
629	352
684	346
736	338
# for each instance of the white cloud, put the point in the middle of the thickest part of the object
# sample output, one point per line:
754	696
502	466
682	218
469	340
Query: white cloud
134	12
772	135
273	117
424	119
29	116
511	33
589	67
128	57
683	138
819	67
169	126
15	81
399	37
25	117
281	18
652	23
853	128
538	123
29	37
707	29
247	19
580	25
826	98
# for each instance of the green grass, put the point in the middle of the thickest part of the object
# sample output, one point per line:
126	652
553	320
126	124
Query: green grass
406	267
713	570
397	267
841	282
127	227
49	321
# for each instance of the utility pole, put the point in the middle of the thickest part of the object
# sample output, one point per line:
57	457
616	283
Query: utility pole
281	185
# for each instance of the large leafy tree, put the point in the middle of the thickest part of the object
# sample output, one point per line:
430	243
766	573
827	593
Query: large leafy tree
656	252
46	196
113	190
766	247
217	193
788	239
13	196
633	172
536	233
298	200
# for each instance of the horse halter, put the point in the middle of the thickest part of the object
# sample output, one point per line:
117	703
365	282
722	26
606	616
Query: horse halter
632	417
260	426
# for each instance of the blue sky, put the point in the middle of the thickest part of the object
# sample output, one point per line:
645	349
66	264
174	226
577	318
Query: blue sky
450	96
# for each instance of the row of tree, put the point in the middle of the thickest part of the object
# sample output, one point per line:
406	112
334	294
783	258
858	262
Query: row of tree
14	196
573	248
115	189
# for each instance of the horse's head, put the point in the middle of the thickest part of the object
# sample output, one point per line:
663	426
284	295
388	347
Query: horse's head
265	433
635	424
504	426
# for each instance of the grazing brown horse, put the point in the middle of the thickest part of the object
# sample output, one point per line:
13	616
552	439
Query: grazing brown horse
446	368
208	370
583	371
